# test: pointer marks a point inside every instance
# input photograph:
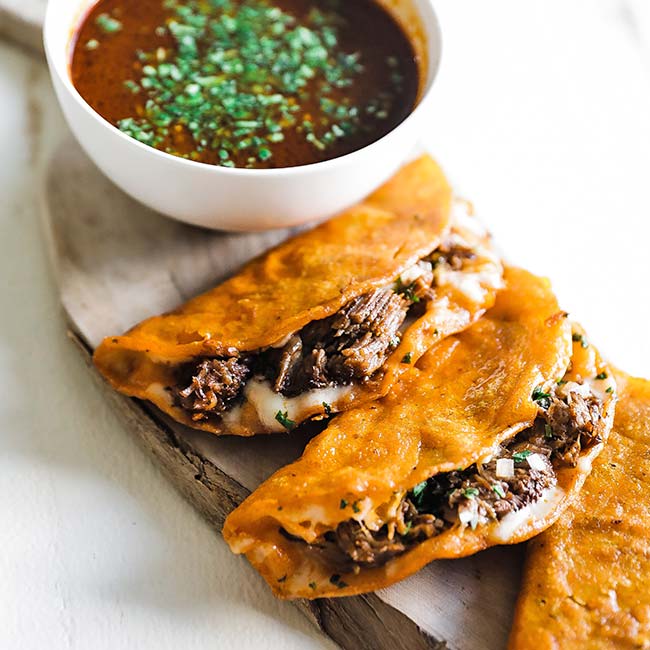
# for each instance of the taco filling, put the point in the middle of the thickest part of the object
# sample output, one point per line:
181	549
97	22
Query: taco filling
317	363
518	475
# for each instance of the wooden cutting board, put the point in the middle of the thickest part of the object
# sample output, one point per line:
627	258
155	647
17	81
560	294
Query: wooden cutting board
116	263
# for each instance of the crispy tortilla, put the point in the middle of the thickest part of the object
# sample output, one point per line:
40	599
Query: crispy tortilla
586	581
468	396
306	279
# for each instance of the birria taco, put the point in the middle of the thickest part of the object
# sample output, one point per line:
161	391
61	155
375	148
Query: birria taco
586	579
320	323
482	442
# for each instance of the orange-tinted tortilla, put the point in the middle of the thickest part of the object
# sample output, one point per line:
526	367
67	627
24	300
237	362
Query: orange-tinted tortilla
586	583
465	396
308	277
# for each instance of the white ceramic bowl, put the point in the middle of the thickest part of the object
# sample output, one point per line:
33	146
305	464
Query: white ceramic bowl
238	199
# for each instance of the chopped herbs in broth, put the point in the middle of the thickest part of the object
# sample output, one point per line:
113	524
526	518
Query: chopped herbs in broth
247	83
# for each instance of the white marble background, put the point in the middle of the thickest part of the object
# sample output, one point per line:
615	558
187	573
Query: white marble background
542	118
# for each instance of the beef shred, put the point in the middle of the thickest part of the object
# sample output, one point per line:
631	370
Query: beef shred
350	345
568	423
212	385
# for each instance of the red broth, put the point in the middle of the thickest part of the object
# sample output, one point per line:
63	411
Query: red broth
247	83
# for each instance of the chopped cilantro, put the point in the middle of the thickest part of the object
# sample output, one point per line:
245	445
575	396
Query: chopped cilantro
132	86
336	580
418	490
328	408
344	504
609	389
108	24
560	382
520	456
543	399
407	358
241	76
406	290
407	530
283	419
419	495
470	492
355	507
498	490
579	338
601	375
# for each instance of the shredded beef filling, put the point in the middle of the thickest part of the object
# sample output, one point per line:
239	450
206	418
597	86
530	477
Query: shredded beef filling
213	385
349	346
453	256
477	495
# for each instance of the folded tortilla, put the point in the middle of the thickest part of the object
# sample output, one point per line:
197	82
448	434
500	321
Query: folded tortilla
320	323
586	581
483	442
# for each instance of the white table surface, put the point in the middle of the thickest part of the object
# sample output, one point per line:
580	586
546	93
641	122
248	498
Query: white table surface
542	118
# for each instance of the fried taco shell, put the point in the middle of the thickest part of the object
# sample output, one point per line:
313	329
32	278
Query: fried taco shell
482	442
586	581
322	321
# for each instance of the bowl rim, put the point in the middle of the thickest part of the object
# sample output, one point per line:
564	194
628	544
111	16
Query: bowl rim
434	55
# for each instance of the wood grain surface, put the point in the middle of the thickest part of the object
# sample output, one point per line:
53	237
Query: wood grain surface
117	262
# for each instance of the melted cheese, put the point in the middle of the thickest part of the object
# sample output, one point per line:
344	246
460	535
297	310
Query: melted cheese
599	387
589	386
267	403
280	343
416	271
482	274
473	285
537	510
157	392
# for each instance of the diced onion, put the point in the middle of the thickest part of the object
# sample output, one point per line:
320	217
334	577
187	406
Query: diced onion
466	516
505	467
535	461
414	272
469	517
